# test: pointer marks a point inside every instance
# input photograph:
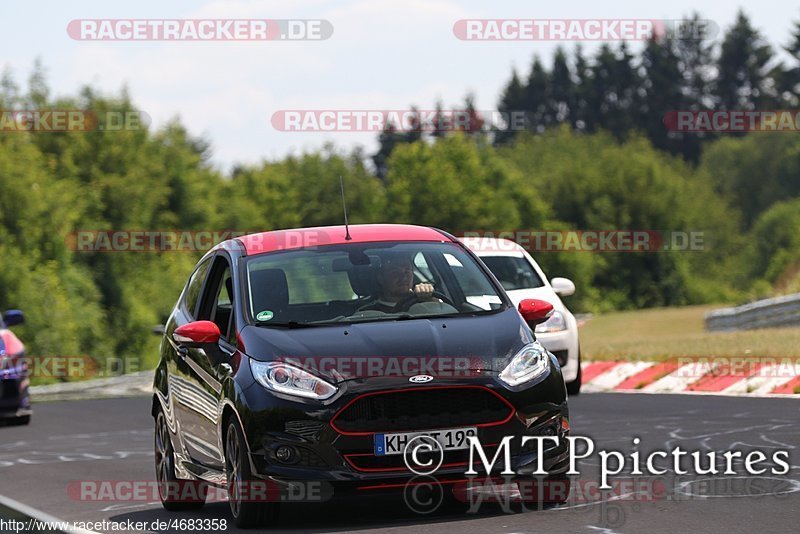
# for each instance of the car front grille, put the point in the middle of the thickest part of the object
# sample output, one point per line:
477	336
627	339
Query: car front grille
306	429
423	409
368	462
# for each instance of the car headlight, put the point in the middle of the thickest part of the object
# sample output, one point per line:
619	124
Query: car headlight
556	323
284	378
529	363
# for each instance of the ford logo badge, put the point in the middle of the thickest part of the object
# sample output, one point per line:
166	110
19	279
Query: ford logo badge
420	379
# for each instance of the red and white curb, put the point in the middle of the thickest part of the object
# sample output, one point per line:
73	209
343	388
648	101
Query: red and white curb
705	376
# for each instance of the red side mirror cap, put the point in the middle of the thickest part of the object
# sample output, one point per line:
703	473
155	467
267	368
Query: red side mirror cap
197	333
535	311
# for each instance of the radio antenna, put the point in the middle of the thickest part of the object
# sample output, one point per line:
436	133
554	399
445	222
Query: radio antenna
344	208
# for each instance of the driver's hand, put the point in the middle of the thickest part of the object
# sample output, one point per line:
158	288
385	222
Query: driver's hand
423	291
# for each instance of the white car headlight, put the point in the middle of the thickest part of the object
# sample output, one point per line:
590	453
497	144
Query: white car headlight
285	378
529	363
556	323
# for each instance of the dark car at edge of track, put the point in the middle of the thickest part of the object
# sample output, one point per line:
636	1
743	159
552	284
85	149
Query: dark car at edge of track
283	361
15	402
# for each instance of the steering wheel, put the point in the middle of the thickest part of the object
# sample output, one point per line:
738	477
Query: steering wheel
407	302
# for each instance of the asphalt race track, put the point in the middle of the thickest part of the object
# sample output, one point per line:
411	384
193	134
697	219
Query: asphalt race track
111	440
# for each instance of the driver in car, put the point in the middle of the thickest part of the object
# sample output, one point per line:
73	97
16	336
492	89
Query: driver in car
395	292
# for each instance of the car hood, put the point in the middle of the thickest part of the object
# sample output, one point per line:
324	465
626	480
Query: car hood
437	347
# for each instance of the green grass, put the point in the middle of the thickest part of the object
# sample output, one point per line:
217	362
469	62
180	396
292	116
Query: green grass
662	333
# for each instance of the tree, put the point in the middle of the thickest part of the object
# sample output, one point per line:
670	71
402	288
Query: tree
474	123
789	77
415	131
593	182
743	81
775	242
38	92
663	94
387	140
442	124
535	98
753	172
511	101
457	184
696	64
584	118
613	90
561	90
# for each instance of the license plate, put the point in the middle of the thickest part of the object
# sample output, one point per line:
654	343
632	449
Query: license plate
450	439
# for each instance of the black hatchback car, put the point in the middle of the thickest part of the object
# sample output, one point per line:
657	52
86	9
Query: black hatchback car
320	354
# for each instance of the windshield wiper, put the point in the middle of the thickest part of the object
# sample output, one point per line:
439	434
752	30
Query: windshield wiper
456	314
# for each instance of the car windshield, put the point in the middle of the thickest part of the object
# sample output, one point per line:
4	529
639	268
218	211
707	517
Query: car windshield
367	282
513	272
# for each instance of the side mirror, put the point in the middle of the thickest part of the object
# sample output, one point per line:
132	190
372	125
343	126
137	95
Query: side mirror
196	334
563	286
13	317
535	311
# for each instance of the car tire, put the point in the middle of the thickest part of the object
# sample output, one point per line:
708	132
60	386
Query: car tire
574	387
191	494
20	421
247	513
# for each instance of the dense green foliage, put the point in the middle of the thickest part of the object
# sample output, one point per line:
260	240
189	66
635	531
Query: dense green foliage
743	195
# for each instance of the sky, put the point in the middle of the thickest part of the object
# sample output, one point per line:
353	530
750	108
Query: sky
382	55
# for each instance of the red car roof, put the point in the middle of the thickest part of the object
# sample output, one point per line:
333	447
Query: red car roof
335	235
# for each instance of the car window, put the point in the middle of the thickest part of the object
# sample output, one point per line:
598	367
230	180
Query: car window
513	272
423	272
192	292
364	282
312	279
217	302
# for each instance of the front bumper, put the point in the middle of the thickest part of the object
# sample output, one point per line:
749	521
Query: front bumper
564	345
324	451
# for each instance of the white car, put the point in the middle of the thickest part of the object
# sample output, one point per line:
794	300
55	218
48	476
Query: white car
522	278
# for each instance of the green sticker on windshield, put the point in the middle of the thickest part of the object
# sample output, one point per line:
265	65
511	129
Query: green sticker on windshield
265	315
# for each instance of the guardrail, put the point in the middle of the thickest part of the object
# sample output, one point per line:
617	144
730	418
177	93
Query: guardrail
767	313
